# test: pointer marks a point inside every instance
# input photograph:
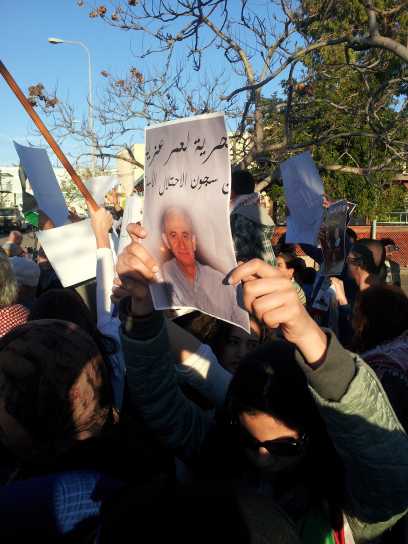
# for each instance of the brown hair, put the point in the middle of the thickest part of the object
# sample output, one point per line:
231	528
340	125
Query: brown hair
380	315
40	365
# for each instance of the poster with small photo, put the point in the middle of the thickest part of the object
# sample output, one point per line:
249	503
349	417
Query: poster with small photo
332	237
186	215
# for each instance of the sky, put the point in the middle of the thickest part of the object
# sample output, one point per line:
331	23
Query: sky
26	53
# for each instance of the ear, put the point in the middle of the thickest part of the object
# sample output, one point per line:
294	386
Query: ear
194	242
165	240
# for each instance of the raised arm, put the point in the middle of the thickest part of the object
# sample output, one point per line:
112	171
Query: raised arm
358	415
151	376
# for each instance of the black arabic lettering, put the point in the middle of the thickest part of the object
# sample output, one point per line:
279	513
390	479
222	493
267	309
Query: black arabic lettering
221	145
157	149
194	182
182	147
225	188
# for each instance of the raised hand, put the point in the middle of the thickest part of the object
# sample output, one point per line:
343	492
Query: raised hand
271	298
101	221
136	268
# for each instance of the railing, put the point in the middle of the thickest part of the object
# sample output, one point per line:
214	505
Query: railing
394	218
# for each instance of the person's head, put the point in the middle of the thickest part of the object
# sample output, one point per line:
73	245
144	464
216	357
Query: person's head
67	305
231	344
242	183
13	250
306	276
276	419
8	283
15	237
289	264
27	274
54	389
380	314
390	246
365	262
178	235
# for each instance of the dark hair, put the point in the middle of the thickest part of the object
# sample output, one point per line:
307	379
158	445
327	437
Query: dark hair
294	262
371	255
67	305
307	275
242	182
270	381
40	362
381	314
351	234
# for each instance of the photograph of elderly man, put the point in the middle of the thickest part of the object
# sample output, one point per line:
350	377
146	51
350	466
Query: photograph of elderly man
189	281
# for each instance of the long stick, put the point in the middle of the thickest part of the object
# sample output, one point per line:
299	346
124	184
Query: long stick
47	135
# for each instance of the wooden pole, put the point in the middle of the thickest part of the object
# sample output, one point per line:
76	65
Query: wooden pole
49	138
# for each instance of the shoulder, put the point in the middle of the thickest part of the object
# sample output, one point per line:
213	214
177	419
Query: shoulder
168	266
208	270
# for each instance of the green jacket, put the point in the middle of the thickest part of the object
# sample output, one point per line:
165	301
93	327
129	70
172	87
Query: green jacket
360	420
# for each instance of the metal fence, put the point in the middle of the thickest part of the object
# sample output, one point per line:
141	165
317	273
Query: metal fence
398	233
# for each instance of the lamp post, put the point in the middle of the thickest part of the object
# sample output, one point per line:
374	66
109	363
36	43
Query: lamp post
56	41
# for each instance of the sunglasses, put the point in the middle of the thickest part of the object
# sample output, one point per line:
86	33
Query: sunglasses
286	446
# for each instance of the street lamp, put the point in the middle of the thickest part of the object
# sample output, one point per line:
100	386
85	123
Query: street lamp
56	41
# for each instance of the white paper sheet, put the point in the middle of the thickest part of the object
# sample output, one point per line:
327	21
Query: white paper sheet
304	197
99	186
71	250
186	213
132	213
43	182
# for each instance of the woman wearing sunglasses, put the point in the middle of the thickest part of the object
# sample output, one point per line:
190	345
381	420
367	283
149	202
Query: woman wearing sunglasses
306	422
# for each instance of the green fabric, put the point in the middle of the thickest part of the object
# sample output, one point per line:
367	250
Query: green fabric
33	218
315	528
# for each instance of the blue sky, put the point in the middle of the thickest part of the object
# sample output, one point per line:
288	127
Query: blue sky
26	26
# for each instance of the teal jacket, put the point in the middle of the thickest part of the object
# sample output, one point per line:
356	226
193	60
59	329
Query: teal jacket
360	420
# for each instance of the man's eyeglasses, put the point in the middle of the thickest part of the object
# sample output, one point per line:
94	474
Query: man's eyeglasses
287	446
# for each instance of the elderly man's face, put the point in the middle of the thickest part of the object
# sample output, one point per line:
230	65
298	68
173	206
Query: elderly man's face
180	238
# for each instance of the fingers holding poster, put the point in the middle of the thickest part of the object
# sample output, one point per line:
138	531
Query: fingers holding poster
187	190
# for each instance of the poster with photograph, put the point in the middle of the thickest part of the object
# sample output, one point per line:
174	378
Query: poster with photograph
304	197
186	213
332	237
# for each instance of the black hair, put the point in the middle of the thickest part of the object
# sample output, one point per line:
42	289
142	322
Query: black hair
67	305
371	256
270	381
242	182
294	262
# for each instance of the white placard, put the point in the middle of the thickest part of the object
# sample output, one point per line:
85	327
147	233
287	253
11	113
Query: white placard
186	213
304	198
40	174
71	250
132	213
100	186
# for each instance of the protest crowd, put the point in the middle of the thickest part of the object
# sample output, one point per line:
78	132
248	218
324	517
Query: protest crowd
123	423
